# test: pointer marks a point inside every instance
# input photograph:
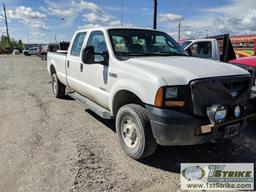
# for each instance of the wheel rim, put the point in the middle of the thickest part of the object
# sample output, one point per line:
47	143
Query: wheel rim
129	132
54	84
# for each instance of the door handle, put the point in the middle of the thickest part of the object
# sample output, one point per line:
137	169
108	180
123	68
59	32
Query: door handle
81	67
68	64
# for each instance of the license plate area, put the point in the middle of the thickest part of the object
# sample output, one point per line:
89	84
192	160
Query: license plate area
231	130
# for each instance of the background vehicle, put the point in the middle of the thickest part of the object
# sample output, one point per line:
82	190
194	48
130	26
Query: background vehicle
31	51
156	93
53	47
6	50
218	48
43	52
16	52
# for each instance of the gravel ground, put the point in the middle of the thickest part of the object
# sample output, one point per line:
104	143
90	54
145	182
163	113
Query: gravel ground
48	144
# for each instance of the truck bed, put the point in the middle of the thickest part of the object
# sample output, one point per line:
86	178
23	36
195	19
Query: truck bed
59	62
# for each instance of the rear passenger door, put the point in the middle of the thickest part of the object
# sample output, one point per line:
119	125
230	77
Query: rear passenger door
74	75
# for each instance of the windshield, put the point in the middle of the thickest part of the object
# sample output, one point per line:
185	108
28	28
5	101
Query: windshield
185	44
136	42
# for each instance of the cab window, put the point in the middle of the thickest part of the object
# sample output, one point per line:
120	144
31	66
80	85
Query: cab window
77	44
200	49
97	40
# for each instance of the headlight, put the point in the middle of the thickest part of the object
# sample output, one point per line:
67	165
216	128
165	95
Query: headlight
172	96
217	113
237	111
171	93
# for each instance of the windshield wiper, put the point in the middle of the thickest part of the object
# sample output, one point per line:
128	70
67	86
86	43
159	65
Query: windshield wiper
137	54
173	53
152	54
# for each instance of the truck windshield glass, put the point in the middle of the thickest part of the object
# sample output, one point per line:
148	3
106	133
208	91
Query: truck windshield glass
135	42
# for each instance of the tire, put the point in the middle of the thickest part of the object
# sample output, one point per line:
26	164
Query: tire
135	118
58	88
26	54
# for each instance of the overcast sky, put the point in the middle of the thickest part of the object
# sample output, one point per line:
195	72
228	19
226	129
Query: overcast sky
40	20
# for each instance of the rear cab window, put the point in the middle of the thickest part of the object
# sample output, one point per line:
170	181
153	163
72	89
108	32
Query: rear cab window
77	44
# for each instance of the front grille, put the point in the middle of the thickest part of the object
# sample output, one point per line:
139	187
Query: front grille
228	91
237	86
250	69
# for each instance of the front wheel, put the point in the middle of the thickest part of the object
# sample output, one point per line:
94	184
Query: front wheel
58	88
134	131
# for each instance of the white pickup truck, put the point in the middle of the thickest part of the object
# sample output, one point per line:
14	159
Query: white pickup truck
156	93
217	48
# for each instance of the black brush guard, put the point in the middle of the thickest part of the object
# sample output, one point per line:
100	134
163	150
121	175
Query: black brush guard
227	91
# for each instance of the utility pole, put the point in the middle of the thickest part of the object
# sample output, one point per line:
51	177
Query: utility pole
179	31
122	14
6	24
28	37
155	15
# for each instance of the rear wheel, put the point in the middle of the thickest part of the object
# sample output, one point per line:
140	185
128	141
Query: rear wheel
58	88
134	131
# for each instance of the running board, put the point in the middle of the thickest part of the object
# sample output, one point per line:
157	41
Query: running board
102	112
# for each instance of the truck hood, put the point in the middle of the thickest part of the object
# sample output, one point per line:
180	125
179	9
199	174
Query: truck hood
178	70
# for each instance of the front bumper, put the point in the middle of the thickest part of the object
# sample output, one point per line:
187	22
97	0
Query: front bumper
170	127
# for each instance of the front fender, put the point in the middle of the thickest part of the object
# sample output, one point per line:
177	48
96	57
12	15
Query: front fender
145	92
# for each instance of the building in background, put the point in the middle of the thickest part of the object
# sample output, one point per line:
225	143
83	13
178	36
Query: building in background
244	45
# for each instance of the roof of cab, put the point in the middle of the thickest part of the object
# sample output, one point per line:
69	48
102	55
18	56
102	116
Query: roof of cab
107	28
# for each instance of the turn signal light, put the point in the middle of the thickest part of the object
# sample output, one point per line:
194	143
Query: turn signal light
175	103
159	97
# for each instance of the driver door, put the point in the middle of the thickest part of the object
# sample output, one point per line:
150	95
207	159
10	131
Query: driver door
95	75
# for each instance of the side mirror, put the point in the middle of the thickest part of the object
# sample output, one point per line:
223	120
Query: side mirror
88	55
101	58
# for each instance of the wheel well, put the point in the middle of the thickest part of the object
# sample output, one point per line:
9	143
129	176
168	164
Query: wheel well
125	97
52	69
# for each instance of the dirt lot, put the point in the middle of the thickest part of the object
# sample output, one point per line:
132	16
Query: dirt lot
47	144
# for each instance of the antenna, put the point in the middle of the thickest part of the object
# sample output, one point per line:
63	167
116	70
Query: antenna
179	30
28	38
6	24
155	15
